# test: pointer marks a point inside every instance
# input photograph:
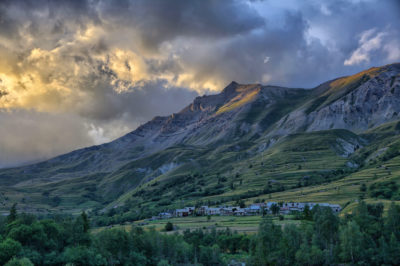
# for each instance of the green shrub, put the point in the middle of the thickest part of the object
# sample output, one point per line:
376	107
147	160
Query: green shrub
385	190
169	227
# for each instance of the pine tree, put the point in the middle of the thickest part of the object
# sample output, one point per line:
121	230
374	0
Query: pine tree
85	220
307	213
13	214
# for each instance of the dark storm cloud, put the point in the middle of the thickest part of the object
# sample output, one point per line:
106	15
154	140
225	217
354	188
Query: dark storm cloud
308	45
160	20
243	57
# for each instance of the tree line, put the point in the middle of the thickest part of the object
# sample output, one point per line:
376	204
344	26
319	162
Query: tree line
367	236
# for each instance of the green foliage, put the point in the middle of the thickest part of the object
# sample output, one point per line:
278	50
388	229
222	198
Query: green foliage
55	201
163	263
19	262
307	214
81	255
13	214
391	153
322	238
392	223
85	222
364	238
169	227
351	246
266	251
8	249
275	209
385	190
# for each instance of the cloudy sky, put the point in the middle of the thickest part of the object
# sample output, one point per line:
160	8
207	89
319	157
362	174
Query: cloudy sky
78	73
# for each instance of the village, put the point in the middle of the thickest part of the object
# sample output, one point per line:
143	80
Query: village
253	209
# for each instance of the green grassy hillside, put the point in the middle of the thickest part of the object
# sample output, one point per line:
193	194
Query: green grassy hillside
306	167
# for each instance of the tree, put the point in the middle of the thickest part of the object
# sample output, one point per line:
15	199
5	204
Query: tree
210	255
291	242
114	246
266	251
86	224
163	263
392	222
351	242
326	226
79	231
19	262
80	255
307	213
241	203
55	201
169	227
394	250
275	209
13	214
8	249
263	211
309	255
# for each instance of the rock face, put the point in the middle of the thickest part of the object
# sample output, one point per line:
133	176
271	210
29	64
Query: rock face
356	103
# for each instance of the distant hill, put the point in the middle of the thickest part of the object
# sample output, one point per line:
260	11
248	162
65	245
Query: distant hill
249	142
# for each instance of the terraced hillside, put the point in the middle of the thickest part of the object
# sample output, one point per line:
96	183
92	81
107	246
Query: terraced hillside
338	142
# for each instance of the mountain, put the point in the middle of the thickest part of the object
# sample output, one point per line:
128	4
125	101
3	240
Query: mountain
247	142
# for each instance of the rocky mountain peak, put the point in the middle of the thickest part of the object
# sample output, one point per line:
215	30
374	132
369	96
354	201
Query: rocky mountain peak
230	89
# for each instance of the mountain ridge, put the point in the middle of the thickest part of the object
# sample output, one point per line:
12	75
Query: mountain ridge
240	124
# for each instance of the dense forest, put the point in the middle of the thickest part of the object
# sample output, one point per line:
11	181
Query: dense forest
368	236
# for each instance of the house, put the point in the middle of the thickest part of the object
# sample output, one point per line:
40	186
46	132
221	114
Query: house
213	211
239	212
253	209
190	209
261	204
285	208
165	215
205	210
296	206
335	207
228	210
184	212
202	210
181	212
